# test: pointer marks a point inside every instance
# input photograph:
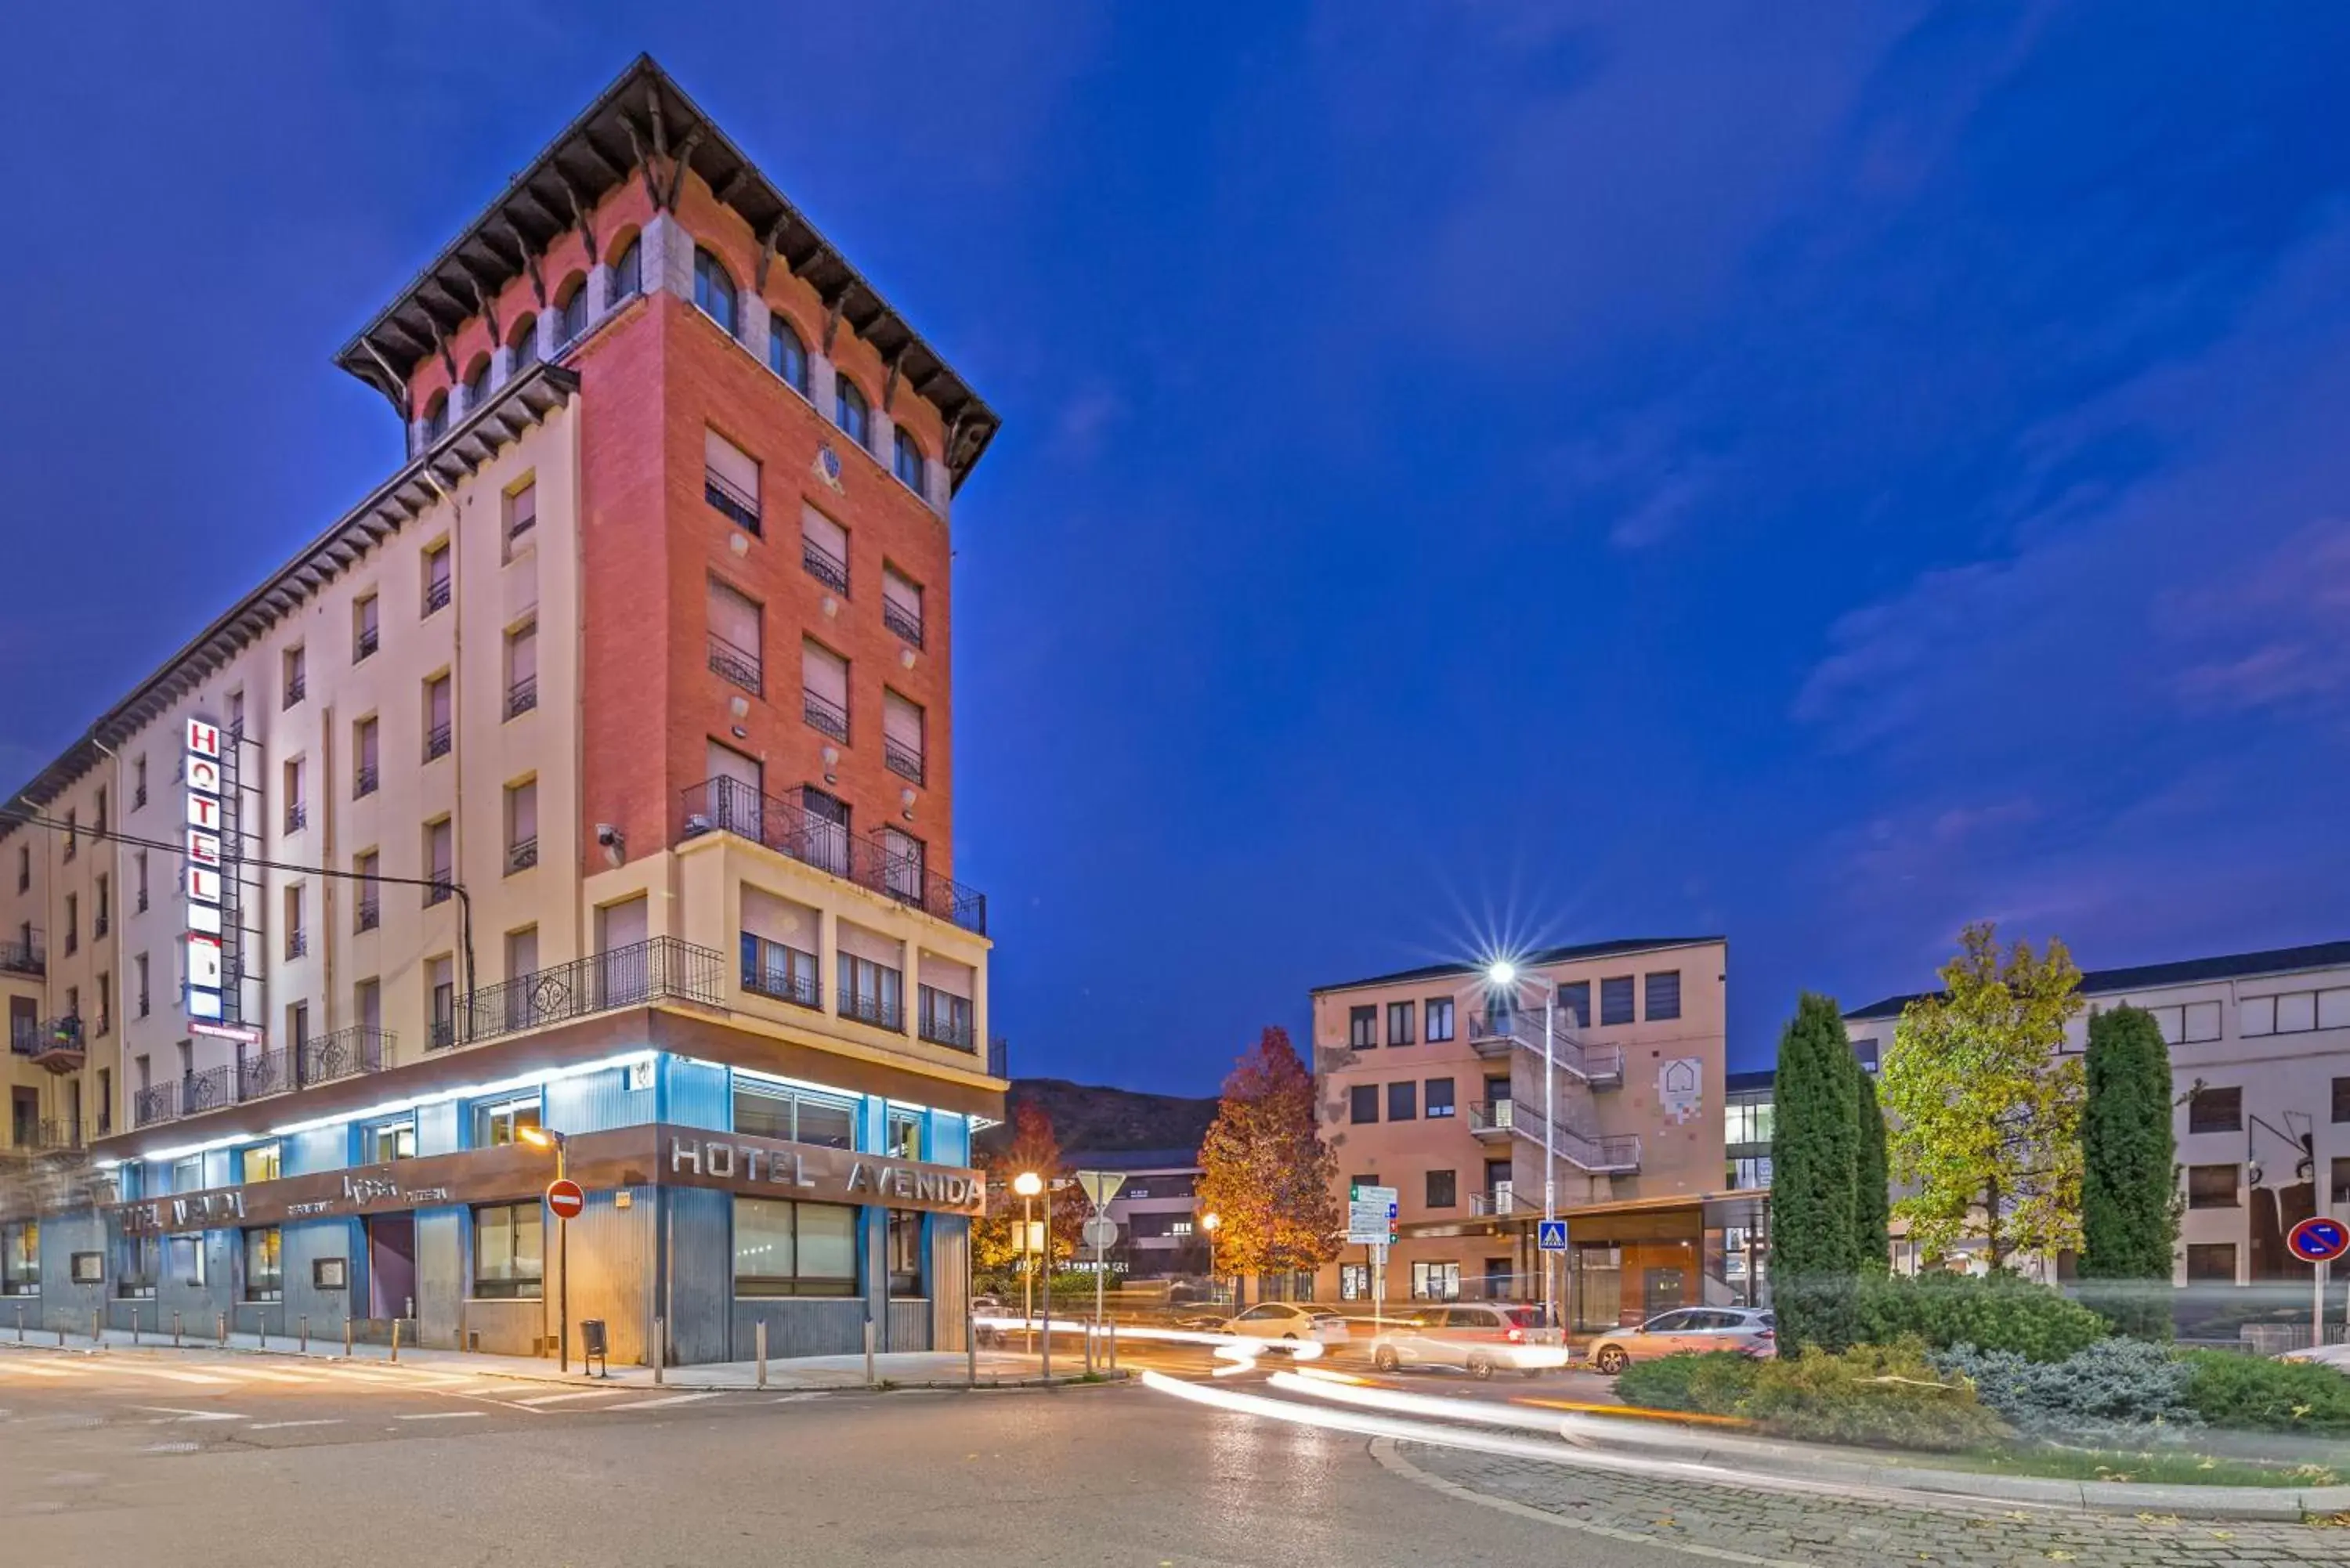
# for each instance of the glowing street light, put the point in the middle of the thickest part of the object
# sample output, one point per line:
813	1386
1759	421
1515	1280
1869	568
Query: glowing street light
1028	1185
1502	972
548	1138
1209	1222
1504	976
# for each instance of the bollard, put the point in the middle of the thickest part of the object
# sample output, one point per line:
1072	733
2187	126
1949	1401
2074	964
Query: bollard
306	1333
970	1348
759	1342
1090	1348
1112	1330
20	1325
134	1323
661	1348
61	1334
261	1327
175	1331
395	1342
223	1330
347	1336
870	1380
96	1325
1047	1342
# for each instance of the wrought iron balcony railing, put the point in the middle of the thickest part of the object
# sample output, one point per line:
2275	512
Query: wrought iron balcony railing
881	1011
157	1102
730	501
369	913
522	696
730	805
786	973
296	689
297	944
905	622
208	1090
823	566
344	1054
436	741
365	780
825	714
738	665
659	968
436	596
297	816
363	647
943	1025
901	759
262	1073
522	854
25	955
439	892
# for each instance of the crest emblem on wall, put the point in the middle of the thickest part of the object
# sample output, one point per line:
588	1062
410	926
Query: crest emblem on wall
827	465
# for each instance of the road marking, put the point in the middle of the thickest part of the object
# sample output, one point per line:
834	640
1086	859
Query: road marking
445	1416
657	1403
274	1425
32	1371
538	1399
187	1415
165	1372
270	1375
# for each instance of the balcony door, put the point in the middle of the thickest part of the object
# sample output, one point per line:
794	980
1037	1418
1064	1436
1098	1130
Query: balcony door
622	957
737	801
827	828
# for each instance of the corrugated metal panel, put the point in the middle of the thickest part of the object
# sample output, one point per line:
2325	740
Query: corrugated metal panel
950	1138
698	1094
220	1168
322	1148
436	1128
304	1244
949	1279
594	1102
62	1304
507	1328
832	1326
441	1267
700	1226
910	1325
613	1251
199	1305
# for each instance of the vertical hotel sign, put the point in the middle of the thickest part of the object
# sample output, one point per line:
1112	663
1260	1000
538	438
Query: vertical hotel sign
203	797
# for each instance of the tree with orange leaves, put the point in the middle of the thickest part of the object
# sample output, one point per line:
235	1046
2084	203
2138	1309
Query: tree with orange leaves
1266	1173
995	1239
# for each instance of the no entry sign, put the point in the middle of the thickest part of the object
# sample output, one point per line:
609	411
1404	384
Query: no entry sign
2319	1240
566	1198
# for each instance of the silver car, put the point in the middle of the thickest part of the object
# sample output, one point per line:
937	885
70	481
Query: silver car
1753	1331
1479	1337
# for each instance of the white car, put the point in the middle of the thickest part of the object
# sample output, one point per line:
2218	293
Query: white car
1752	1331
1288	1320
1479	1337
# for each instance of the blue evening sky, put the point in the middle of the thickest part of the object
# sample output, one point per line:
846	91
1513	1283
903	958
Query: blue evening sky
1476	473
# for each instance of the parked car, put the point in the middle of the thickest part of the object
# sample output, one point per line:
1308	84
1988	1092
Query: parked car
1751	1330
1476	1337
1289	1321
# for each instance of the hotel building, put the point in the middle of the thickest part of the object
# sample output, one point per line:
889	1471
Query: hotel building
1432	1082
592	775
2259	1071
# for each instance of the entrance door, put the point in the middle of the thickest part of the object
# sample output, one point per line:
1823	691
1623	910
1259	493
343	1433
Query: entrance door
391	1265
24	1022
1662	1290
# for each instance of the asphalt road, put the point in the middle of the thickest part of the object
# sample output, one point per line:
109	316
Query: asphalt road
242	1461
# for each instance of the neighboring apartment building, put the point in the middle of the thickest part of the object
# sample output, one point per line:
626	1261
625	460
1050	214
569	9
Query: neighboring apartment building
1156	1211
1432	1081
592	775
2260	1062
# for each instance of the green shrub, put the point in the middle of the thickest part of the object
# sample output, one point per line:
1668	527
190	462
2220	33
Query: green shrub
2228	1389
1707	1383
1872	1395
1991	1312
2117	1392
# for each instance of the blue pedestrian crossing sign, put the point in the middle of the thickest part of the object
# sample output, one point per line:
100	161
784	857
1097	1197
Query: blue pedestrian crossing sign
1553	1233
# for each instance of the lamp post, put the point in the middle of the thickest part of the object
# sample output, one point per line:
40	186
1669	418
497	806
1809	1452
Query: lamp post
1209	1222
548	1138
1028	1184
1505	976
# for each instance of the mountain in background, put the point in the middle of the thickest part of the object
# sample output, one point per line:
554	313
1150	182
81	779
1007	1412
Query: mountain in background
1092	1117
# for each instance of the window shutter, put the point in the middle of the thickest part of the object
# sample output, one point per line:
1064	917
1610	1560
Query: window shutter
730	463
734	618
822	531
825	672
524	656
901	721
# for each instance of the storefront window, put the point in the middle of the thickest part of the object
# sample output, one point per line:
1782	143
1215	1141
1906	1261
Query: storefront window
20	1258
785	1249
905	1134
764	1110
142	1261
387	1141
187	1175
496	1125
906	1269
262	1162
1354	1282
1436	1282
264	1265
509	1250
187	1259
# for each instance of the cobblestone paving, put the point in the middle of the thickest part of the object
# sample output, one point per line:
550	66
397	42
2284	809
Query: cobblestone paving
1740	1524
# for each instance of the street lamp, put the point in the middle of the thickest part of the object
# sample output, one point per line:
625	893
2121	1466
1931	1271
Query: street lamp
1029	1185
1209	1222
548	1138
1504	977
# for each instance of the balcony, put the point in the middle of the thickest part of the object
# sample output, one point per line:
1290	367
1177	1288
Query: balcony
1492	1118
297	944
297	816
1492	1034
436	741
99	924
208	1090
659	969
139	795
25	955
823	714
521	855
787	828
440	890
737	665
731	504
436	596
369	912
823	566
51	1135
55	1044
344	1054
297	688
881	1012
948	1027
521	697
158	1103
785	973
1495	1120
363	647
365	780
263	1073
906	623
902	760
1493	1205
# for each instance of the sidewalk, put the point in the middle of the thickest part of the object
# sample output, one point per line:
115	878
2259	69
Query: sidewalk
898	1369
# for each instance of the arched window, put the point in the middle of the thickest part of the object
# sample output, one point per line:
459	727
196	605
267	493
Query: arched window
477	384
911	466
849	412
526	344
714	291
786	354
572	319
436	418
628	272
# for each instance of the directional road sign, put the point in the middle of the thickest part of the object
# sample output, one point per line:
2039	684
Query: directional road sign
566	1198
1553	1235
2320	1240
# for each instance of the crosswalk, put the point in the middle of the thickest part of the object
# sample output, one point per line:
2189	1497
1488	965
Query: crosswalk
59	1371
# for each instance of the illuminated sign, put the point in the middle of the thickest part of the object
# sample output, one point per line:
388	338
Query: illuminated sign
206	980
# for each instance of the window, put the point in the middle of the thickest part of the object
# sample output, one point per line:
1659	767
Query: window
262	1162
1616	999
736	646
73	925
1664	995
1400	1022
901	605
438	865
824	549
509	1252
440	993
20	1258
297	805
522	826
1438	1011
787	354
297	937
714	291
1574	1002
366	760
771	1110
571	313
387	1141
2189	1023
366	908
436	418
496	1125
851	412
294	675
102	920
2211	1262
944	1018
138	882
1363	1103
902	736
1403	1101
1436	1097
522	513
187	1175
1865	1053
729	481
438	731
785	1248
436	578
912	467
871	991
477	384
2342	1099
1362	1028
2294	1012
2213	1186
138	979
1436	1282
1443	1189
142	1264
264	1264
901	1136
366	1002
525	344
2215	1110
522	669
824	690
905	1252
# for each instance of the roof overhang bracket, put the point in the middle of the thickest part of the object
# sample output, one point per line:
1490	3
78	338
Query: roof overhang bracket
579	219
897	367
484	305
734	181
832	316
529	263
636	160
774	243
679	165
392	379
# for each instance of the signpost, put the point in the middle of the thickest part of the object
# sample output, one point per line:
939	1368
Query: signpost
2317	1242
567	1200
1371	1223
1553	1236
1099	1187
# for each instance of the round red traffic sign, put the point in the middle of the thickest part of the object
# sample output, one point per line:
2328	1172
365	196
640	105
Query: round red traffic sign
2318	1240
566	1198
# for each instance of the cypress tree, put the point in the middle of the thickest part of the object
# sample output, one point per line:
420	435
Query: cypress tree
2129	1208
1872	1198
1815	1167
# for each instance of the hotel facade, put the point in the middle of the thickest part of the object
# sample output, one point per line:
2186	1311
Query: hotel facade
1432	1082
593	774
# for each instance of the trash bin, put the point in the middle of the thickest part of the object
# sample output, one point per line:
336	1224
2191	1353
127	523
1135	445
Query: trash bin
591	1346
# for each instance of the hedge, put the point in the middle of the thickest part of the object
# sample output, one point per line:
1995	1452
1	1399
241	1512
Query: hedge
1989	1312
